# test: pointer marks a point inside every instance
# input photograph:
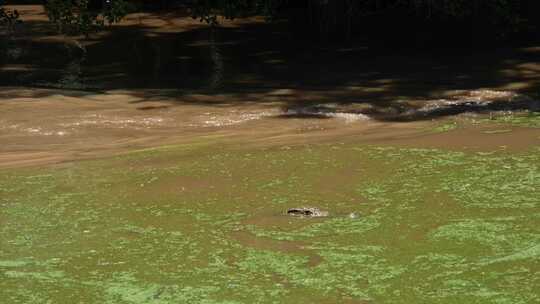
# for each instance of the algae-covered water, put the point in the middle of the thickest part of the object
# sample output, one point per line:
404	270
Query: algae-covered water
426	206
205	223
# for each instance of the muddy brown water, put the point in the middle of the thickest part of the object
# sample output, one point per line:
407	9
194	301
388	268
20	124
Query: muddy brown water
49	126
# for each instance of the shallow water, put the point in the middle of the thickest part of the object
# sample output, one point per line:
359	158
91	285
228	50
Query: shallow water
40	126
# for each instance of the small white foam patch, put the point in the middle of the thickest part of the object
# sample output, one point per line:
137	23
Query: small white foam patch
474	98
348	117
234	118
40	131
31	130
117	122
92	120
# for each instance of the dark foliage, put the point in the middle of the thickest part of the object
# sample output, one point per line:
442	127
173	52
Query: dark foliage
400	22
8	17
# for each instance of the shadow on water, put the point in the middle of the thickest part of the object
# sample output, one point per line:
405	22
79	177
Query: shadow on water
170	55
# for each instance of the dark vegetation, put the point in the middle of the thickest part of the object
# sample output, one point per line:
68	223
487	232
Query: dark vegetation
416	22
386	49
8	18
419	23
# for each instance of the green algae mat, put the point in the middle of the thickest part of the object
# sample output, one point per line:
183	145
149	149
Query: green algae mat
206	224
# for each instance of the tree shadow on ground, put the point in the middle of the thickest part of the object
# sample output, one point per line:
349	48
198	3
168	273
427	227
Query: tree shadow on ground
169	57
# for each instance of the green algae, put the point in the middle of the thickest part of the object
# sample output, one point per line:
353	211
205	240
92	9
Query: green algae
527	119
496	237
445	127
6	264
498	131
158	226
